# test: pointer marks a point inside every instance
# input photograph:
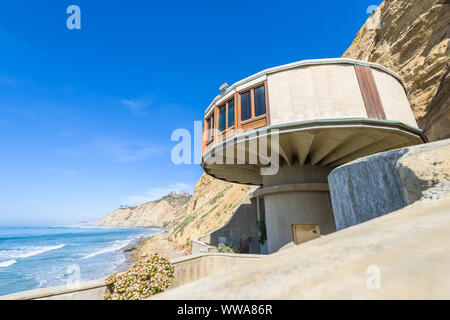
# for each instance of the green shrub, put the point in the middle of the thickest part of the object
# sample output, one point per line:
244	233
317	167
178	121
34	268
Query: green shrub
261	225
226	247
145	278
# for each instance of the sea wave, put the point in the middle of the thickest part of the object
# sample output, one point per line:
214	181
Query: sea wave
8	263
118	244
27	251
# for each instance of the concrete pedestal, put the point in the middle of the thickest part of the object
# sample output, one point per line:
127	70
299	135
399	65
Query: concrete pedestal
296	195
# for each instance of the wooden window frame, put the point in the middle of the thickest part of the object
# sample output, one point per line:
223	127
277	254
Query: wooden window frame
240	93
225	104
228	131
254	122
210	128
234	124
227	128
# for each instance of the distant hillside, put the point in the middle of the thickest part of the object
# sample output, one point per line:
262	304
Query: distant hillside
186	217
211	206
159	213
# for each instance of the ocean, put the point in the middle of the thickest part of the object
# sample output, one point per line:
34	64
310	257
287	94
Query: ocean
32	258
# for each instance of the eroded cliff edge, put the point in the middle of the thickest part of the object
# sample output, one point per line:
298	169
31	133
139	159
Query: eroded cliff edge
411	37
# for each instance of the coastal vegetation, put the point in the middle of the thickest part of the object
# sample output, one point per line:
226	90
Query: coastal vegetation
261	225
226	247
175	197
180	227
147	277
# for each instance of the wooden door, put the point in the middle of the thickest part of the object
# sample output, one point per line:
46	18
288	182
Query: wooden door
305	232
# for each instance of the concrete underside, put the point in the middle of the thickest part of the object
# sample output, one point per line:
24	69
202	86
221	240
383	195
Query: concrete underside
407	251
328	143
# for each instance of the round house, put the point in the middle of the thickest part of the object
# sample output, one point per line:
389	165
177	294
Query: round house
287	127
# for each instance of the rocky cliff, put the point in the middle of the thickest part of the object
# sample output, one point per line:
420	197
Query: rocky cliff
160	213
411	37
211	206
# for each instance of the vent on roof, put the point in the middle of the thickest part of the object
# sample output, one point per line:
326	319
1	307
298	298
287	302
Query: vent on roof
223	87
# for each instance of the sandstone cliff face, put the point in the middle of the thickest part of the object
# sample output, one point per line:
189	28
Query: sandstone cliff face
213	203
425	172
412	39
159	213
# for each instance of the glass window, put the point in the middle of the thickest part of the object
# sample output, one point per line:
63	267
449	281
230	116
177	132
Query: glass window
222	118
231	113
208	123
212	126
246	106
260	101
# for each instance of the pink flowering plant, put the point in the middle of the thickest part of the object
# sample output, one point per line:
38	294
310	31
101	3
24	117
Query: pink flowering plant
145	278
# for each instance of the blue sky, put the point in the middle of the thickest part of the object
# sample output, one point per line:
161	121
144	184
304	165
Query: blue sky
86	115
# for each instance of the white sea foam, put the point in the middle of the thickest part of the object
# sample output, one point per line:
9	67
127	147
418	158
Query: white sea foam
119	244
26	252
8	263
34	251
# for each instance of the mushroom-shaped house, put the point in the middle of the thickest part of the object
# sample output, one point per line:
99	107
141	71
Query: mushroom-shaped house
287	127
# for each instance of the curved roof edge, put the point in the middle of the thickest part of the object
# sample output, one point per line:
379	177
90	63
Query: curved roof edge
329	122
302	63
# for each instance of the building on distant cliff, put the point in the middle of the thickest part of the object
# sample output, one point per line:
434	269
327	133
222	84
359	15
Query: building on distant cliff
287	127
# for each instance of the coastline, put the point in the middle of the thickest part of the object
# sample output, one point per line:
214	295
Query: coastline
159	244
95	252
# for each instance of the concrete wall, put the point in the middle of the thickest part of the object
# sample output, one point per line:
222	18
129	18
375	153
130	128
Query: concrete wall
284	210
292	199
402	255
188	269
313	84
89	290
241	225
331	91
315	92
395	101
379	184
